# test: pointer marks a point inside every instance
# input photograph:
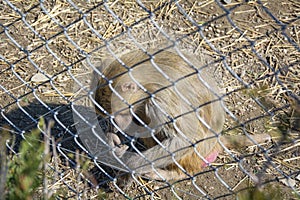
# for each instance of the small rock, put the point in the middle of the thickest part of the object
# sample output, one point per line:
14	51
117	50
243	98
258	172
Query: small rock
39	77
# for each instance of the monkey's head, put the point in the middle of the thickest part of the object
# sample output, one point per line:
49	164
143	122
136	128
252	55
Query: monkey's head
142	96
132	108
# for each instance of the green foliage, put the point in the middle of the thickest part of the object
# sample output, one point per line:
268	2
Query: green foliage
27	175
24	170
260	194
4	136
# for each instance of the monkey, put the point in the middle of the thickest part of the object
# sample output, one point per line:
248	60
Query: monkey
168	102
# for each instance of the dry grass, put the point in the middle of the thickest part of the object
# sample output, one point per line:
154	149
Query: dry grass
69	38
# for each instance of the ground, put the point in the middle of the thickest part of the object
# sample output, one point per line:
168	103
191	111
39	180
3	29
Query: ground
254	50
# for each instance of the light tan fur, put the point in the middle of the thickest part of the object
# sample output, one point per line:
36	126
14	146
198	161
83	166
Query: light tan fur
167	95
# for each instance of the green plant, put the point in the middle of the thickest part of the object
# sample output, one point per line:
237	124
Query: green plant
257	193
23	172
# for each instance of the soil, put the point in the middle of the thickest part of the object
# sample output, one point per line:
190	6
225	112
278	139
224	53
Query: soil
254	51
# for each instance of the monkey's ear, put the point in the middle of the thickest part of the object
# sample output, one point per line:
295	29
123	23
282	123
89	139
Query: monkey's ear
129	87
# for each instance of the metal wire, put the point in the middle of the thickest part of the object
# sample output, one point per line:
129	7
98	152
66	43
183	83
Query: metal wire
52	55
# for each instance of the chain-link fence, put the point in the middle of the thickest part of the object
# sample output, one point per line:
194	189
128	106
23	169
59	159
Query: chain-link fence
156	99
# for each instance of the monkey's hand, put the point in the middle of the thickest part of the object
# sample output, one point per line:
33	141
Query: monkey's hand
118	148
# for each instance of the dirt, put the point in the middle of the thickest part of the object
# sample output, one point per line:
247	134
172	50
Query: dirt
254	51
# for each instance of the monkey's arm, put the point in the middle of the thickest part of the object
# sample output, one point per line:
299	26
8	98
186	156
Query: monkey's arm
158	156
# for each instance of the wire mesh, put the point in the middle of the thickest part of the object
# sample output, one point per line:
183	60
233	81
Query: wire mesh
54	58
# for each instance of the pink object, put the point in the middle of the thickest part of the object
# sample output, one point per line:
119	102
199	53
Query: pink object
211	158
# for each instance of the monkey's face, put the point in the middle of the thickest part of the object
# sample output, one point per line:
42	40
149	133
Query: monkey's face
121	111
129	109
134	122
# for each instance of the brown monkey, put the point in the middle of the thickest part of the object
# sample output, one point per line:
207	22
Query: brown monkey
171	106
